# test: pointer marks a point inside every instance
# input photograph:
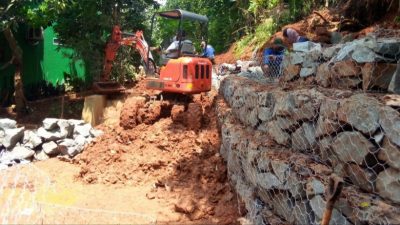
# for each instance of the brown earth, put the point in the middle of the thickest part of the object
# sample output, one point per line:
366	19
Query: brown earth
178	154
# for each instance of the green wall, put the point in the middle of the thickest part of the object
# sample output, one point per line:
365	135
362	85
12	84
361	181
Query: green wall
44	65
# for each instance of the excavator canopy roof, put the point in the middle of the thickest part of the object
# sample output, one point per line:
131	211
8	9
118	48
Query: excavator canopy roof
182	14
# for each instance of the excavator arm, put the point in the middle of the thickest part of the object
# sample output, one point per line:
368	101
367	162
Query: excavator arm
117	40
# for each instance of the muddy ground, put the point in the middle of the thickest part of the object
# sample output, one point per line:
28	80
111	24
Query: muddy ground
165	165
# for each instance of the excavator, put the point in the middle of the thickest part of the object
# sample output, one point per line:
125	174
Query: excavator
186	73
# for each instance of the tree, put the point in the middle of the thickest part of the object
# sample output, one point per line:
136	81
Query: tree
33	13
84	25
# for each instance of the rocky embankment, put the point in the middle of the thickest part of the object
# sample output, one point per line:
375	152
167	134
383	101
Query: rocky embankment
55	137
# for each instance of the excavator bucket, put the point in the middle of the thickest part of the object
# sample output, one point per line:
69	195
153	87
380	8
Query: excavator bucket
108	87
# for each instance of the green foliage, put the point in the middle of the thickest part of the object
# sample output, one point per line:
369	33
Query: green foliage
85	25
226	20
263	33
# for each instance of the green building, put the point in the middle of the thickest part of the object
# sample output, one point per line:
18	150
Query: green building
46	64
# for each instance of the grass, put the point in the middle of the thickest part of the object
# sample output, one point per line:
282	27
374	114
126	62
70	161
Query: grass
262	34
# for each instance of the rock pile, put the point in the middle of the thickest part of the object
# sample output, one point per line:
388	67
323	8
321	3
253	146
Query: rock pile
368	63
281	147
55	137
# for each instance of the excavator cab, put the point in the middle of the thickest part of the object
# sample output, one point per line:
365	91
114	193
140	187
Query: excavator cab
184	71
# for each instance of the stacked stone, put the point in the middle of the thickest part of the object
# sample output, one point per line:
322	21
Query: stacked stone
55	137
281	147
368	63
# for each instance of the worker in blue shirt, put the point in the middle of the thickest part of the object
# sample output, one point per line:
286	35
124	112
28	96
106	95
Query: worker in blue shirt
272	58
208	51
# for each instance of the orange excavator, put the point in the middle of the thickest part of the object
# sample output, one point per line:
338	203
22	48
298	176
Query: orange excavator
185	73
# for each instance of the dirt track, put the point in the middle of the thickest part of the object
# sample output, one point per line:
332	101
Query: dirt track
166	167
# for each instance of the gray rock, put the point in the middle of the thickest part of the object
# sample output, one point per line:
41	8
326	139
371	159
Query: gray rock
388	185
361	112
329	108
287	123
12	137
7	124
280	136
285	105
394	85
326	127
280	203
308	71
323	75
51	148
304	137
66	128
388	47
80	140
76	122
268	181
328	53
20	152
41	156
31	139
48	136
68	142
280	169
294	58
307	46
50	123
352	147
314	187
360	177
96	133
83	130
264	113
389	119
364	55
318	206
302	213
390	153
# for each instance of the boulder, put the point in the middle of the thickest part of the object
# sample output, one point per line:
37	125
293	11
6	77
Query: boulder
7	124
31	139
388	48
394	85
290	72
308	71
287	123
318	206
303	213
352	147
268	181
41	156
304	137
361	112
12	137
389	119
390	153
265	114
83	130
294	59
285	105
66	128
50	123
20	152
307	46
388	185
329	52
96	133
280	136
323	75
48	136
361	177
346	68
314	187
377	75
326	127
51	148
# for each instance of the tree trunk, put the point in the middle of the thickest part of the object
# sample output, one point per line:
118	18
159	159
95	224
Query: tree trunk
20	100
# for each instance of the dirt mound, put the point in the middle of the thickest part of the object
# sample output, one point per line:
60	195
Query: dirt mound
177	154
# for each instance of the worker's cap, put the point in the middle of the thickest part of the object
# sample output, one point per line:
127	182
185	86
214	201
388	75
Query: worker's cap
279	42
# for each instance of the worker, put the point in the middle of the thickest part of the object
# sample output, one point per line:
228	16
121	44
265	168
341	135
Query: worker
272	58
293	36
173	49
208	51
